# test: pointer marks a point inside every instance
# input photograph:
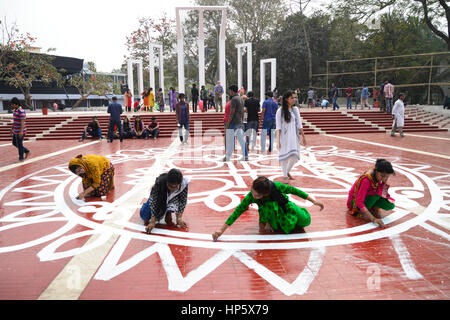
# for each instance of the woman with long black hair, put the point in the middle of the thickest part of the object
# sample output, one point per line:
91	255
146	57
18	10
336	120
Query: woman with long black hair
369	194
276	211
289	128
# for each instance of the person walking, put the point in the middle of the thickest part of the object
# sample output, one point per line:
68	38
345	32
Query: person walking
252	108
310	97
349	94
234	126
225	122
289	127
358	98
269	110
172	98
182	114
204	97
335	95
398	113
382	96
160	99
115	110
19	129
195	94
218	93
364	97
389	96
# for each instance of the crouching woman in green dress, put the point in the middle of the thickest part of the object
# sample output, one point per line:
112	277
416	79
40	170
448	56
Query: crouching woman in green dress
276	212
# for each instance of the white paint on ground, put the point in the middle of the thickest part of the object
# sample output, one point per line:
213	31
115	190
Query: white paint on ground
405	258
88	258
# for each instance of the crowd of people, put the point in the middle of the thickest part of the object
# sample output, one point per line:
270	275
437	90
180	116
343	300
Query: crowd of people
382	97
281	119
367	199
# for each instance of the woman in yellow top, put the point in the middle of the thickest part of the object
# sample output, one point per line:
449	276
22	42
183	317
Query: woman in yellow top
97	174
151	99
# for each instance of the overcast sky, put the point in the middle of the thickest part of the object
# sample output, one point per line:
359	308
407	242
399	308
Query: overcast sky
93	30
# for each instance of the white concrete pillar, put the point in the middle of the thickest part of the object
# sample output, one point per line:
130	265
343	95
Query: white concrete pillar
152	59
249	65
130	79
180	51
262	80
140	78
201	47
239	66
151	65
201	50
161	68
222	67
273	75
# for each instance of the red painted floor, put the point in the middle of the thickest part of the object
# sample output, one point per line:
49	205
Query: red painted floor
98	250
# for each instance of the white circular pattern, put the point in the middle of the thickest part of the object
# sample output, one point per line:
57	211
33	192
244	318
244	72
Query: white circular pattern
113	211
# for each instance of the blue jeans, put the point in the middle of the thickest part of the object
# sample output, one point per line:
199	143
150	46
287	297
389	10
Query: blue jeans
251	130
180	131
92	133
389	105
235	130
268	128
112	124
154	133
18	143
349	102
335	105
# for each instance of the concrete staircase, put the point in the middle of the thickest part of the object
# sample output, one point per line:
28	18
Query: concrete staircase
384	121
440	120
70	126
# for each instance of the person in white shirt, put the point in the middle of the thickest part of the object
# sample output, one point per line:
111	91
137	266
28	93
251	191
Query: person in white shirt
398	112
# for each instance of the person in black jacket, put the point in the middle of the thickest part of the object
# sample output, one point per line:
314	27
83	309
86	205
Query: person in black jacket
195	94
92	129
168	195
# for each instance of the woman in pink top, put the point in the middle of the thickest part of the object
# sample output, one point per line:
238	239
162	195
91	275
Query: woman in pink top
369	194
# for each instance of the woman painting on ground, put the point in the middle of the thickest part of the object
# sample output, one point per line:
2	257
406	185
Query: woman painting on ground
276	212
369	194
289	127
97	174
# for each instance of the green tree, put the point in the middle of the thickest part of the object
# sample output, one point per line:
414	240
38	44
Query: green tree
97	84
434	13
20	68
160	31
